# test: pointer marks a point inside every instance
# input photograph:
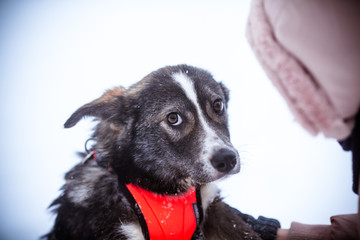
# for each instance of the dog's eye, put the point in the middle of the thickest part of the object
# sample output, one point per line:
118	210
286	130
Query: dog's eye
174	119
218	106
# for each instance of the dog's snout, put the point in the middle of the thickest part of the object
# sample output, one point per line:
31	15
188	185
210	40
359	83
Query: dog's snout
224	160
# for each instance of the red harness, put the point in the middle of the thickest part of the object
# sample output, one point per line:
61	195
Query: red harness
161	216
167	217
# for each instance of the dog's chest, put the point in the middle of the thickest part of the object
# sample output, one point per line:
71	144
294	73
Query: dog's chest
167	217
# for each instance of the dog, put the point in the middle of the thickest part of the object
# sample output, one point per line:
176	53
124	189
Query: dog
165	139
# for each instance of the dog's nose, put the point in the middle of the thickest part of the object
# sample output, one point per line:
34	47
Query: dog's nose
224	160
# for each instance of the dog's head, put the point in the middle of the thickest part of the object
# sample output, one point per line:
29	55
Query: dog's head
167	132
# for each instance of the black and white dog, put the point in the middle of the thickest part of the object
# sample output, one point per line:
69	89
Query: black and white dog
167	137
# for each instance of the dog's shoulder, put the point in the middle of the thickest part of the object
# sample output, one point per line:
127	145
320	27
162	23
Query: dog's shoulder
88	182
222	221
91	205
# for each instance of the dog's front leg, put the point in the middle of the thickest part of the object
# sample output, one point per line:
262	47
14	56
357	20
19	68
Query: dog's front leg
222	222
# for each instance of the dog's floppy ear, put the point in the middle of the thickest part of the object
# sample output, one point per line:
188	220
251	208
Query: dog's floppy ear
103	107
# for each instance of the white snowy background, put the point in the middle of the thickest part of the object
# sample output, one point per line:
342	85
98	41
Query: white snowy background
58	55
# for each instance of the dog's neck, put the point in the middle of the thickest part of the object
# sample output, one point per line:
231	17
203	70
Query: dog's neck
160	187
135	176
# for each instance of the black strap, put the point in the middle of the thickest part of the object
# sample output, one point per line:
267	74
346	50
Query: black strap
199	204
135	207
199	215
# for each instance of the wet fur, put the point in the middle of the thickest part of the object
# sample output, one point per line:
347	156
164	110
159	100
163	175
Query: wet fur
133	141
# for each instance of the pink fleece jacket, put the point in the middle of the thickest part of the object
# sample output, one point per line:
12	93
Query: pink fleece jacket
311	52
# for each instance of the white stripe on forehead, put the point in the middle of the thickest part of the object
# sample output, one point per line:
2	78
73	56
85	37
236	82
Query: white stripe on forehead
211	139
188	86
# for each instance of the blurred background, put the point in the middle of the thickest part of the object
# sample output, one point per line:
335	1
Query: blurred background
58	55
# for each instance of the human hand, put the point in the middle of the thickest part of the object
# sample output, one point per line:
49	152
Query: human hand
282	234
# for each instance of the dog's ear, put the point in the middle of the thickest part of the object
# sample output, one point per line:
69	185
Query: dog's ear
226	92
103	107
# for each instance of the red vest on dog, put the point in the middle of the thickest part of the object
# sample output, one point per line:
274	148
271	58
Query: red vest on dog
167	217
163	217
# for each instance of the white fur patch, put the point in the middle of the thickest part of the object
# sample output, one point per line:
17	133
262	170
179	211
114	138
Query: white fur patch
208	193
132	231
79	194
81	188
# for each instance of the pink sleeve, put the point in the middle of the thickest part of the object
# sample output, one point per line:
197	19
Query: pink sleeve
342	227
299	231
311	52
